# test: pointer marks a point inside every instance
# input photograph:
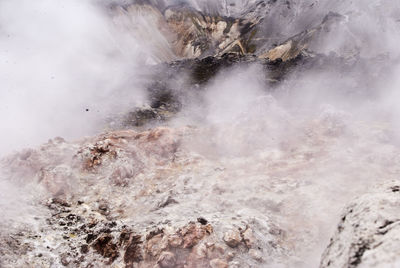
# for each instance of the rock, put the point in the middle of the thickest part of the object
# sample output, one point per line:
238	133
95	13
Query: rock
368	234
133	252
185	32
202	221
218	263
167	260
193	233
248	238
156	245
299	43
106	248
175	241
232	238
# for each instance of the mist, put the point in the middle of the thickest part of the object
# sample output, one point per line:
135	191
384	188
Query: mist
311	142
348	119
63	71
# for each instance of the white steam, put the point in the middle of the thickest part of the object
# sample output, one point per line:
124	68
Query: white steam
330	133
62	71
334	129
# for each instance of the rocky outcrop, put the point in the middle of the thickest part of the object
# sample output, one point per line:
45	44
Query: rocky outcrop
368	234
111	200
199	44
299	43
184	32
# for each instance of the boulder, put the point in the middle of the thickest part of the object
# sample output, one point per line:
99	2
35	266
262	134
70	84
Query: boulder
368	234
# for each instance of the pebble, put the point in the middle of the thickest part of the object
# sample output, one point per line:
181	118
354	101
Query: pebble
232	238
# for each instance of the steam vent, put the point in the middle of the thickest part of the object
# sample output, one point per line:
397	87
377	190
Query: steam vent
199	133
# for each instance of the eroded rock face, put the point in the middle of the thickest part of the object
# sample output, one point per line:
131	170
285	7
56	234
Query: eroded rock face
368	234
300	43
184	32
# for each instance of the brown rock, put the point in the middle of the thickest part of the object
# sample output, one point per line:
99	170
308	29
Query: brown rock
156	245
133	251
106	248
193	233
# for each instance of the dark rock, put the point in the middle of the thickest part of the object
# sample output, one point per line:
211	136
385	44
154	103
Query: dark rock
133	251
202	221
106	248
90	237
168	201
84	249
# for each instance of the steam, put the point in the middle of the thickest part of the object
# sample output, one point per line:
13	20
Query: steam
62	71
344	117
65	67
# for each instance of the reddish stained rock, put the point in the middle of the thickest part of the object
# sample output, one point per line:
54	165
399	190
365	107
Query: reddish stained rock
98	152
161	142
158	146
193	233
156	245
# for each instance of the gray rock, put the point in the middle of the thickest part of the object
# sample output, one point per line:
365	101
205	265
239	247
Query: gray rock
368	234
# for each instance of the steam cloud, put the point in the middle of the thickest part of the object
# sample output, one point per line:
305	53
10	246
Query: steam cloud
63	69
59	58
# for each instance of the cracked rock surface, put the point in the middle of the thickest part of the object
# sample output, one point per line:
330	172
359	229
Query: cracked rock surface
368	234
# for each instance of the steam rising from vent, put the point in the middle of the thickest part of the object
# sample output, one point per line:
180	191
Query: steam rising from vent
63	70
254	114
